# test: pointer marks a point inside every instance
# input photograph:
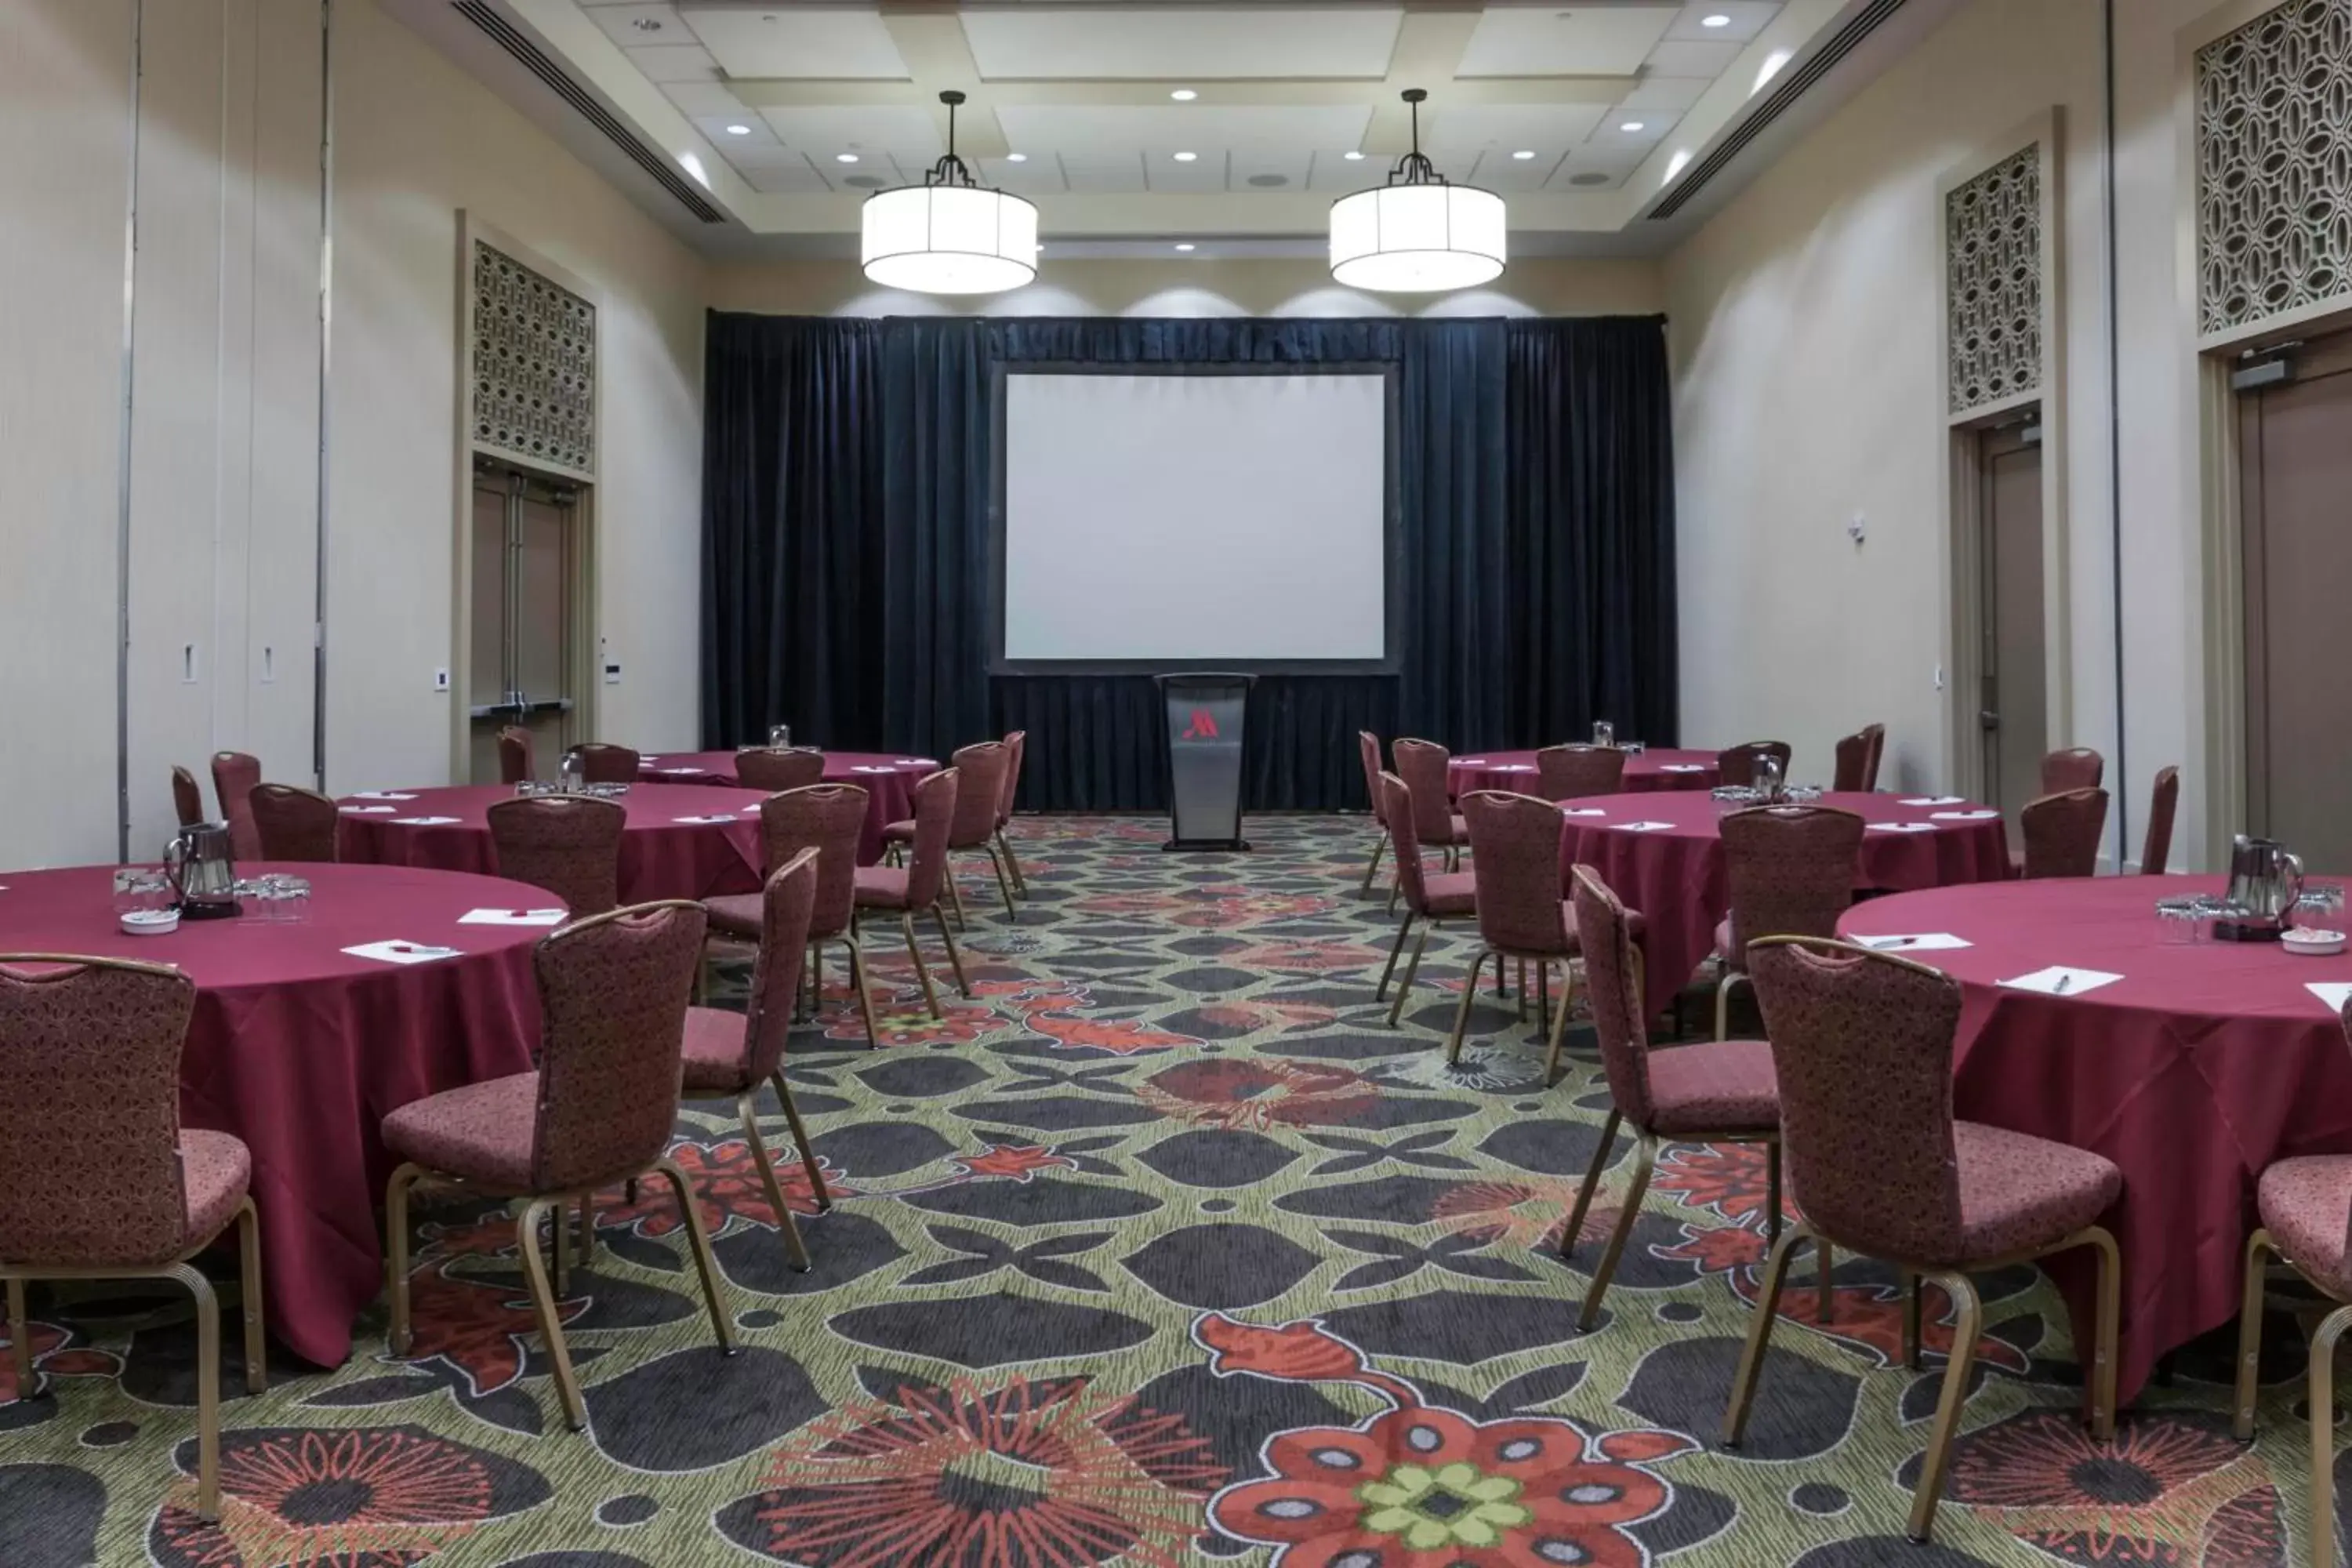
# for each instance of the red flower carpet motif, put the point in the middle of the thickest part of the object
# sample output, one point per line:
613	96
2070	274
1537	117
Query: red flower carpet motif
378	1496
1260	1091
54	1355
1016	1162
725	1184
477	1326
1420	1487
1726	1177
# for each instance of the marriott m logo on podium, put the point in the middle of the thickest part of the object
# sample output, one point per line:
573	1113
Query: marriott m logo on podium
1203	726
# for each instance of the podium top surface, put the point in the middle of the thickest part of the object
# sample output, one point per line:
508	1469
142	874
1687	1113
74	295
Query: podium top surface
1205	678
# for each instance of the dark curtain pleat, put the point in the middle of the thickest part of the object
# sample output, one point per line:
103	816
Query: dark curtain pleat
935	500
1452	460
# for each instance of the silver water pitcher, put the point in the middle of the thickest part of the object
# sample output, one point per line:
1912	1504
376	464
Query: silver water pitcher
1771	775
570	773
2266	883
202	871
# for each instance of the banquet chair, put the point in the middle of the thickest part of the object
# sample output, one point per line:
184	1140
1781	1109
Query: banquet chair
187	798
778	768
1422	766
1368	750
597	1110
1717	1092
514	756
979	794
829	819
1857	759
2061	832
1431	899
2156	851
914	888
2077	767
1789	870
731	1055
601	761
1016	746
290	822
96	1045
1737	764
568	844
234	775
1862	1051
1572	773
2303	1205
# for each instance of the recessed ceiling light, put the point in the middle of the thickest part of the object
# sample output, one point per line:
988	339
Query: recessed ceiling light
1186	244
1717	20
647	24
1186	157
1016	157
844	157
1631	125
1184	95
1524	154
1353	157
739	131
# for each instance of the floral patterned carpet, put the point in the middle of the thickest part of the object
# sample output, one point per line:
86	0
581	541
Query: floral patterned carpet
1160	1249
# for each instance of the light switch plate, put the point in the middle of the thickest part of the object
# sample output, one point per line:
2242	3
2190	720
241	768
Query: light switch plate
611	672
441	680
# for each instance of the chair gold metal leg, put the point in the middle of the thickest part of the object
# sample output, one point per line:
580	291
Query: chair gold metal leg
812	984
1558	1017
561	1214
801	1139
1503	990
955	953
1380	992
543	1302
1966	1331
1372	865
20	1339
1003	883
207	1390
794	1247
1412	968
1569	1236
707	1266
1908	1283
1772	1189
857	977
1759	1335
2250	1335
922	970
1012	864
2099	1379
588	1231
248	1261
2323	1436
1723	1004
1645	1156
396	1224
1825	1287
955	892
1462	1012
1396	886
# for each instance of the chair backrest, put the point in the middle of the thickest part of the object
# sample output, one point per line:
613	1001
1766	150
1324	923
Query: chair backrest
187	797
2077	767
2155	852
1862	1046
1613	991
1016	745
1853	762
1789	870
92	1050
612	994
290	822
935	812
1515	842
774	768
1572	773
785	909
1422	766
829	819
979	790
568	844
1878	733
514	756
2062	833
234	775
1395	798
1367	751
1737	764
601	761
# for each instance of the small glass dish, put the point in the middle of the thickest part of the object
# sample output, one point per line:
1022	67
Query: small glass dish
603	791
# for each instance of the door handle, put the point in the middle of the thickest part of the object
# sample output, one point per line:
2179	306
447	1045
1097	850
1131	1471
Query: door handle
1988	719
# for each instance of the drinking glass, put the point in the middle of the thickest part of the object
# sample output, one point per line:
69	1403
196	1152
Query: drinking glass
1605	733
1635	748
293	898
126	888
2321	908
2180	920
780	736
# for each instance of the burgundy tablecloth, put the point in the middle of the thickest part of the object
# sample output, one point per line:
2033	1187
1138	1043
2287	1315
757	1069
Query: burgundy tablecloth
1674	876
661	856
888	781
301	1049
2193	1072
1516	770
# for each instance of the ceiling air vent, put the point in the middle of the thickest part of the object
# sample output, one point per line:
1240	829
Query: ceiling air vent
1792	85
536	60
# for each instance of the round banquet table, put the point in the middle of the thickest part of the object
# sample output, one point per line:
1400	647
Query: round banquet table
1653	770
301	1048
665	852
887	779
1674	872
2199	1067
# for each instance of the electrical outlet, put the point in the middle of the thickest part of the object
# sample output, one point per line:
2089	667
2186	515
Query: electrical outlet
611	672
441	680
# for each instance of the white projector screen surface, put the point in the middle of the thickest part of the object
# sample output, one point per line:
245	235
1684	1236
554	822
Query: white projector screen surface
1200	518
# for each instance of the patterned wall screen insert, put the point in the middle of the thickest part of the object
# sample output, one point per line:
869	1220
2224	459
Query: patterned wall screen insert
534	366
1992	257
2274	164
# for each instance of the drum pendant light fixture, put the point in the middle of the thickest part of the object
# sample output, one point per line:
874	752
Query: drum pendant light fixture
1418	232
950	234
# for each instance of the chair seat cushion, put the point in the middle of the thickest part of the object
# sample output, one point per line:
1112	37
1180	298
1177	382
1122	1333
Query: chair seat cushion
1451	894
714	1053
899	832
2019	1191
736	914
1716	1086
482	1133
2303	1205
881	887
217	1169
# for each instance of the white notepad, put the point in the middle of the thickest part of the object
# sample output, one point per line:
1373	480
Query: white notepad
423	821
1903	827
367	810
1582	811
676	770
1510	767
1924	942
722	816
1683	768
1641	826
380	795
917	763
397	952
1937	800
2332	991
511	918
1986	815
1471	762
2058	980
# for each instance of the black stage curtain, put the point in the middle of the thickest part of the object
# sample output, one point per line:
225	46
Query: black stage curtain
847	489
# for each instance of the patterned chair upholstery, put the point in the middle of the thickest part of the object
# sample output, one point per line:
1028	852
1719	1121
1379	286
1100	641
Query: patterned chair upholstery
979	798
2063	832
1572	773
516	761
187	798
1016	747
597	1110
601	761
829	819
1423	765
1862	1048
1737	764
293	824
914	888
778	768
732	1054
234	775
2156	851
1878	733
96	1045
1367	751
568	844
1428	898
1857	759
1718	1092
1789	870
2076	767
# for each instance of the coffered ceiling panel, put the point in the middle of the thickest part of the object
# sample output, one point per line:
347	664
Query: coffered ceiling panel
1137	43
1463	131
889	128
1736	21
1030	128
1589	41
836	43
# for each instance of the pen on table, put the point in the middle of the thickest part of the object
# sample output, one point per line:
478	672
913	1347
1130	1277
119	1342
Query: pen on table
2064	980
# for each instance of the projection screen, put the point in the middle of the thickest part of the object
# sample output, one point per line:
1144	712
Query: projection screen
1207	520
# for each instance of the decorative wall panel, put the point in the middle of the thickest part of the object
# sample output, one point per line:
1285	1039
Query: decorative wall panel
2274	166
1993	260
534	366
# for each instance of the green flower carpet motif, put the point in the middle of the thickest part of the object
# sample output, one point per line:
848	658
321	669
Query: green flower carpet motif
1160	1248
